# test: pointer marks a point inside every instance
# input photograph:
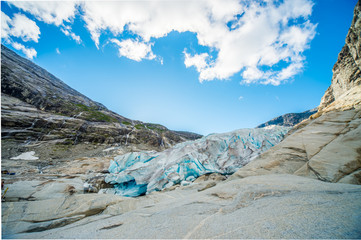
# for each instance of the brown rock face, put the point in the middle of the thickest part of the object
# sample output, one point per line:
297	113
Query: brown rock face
347	69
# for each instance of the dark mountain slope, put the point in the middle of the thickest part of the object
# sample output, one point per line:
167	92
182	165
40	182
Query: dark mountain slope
22	79
38	108
289	119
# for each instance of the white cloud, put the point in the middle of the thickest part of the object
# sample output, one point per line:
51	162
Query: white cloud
57	51
145	18
58	13
251	74
51	12
198	60
244	37
263	33
5	25
240	98
24	28
67	32
289	71
133	49
19	26
29	52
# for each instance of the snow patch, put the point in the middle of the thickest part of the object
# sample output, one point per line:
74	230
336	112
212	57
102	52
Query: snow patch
26	156
269	127
110	149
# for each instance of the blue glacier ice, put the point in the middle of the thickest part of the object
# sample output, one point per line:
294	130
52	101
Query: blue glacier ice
139	173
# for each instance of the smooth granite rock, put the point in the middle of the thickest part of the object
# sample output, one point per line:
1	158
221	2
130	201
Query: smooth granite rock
328	148
268	206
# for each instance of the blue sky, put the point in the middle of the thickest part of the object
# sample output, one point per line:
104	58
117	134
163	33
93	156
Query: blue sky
200	66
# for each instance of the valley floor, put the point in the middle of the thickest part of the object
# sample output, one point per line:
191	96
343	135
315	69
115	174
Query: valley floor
269	206
264	199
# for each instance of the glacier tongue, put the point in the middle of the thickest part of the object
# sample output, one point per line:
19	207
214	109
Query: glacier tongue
138	173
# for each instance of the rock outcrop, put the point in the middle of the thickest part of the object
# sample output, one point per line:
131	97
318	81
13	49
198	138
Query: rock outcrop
289	119
326	148
347	70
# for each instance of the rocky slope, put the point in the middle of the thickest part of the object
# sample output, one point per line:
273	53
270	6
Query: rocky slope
294	190
326	148
289	119
39	109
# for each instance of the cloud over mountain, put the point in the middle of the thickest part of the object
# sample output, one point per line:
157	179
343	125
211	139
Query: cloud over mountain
19	27
262	41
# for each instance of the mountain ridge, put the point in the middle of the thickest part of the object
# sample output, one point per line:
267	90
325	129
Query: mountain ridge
289	119
38	108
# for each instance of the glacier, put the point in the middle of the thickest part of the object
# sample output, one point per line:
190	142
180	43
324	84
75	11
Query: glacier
138	173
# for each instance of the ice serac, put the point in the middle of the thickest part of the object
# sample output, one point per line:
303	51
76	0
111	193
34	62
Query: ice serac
138	173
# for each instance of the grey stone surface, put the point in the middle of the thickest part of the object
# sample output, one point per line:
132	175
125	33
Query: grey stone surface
268	206
327	148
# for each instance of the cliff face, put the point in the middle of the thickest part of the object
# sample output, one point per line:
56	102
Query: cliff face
347	69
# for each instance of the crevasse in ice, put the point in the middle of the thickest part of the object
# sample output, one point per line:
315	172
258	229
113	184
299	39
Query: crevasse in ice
138	173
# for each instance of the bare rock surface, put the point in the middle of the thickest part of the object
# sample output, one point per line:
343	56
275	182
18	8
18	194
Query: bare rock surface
32	216
268	206
327	148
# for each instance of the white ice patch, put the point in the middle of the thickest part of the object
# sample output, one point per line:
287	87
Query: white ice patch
139	173
269	127
110	149
26	156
